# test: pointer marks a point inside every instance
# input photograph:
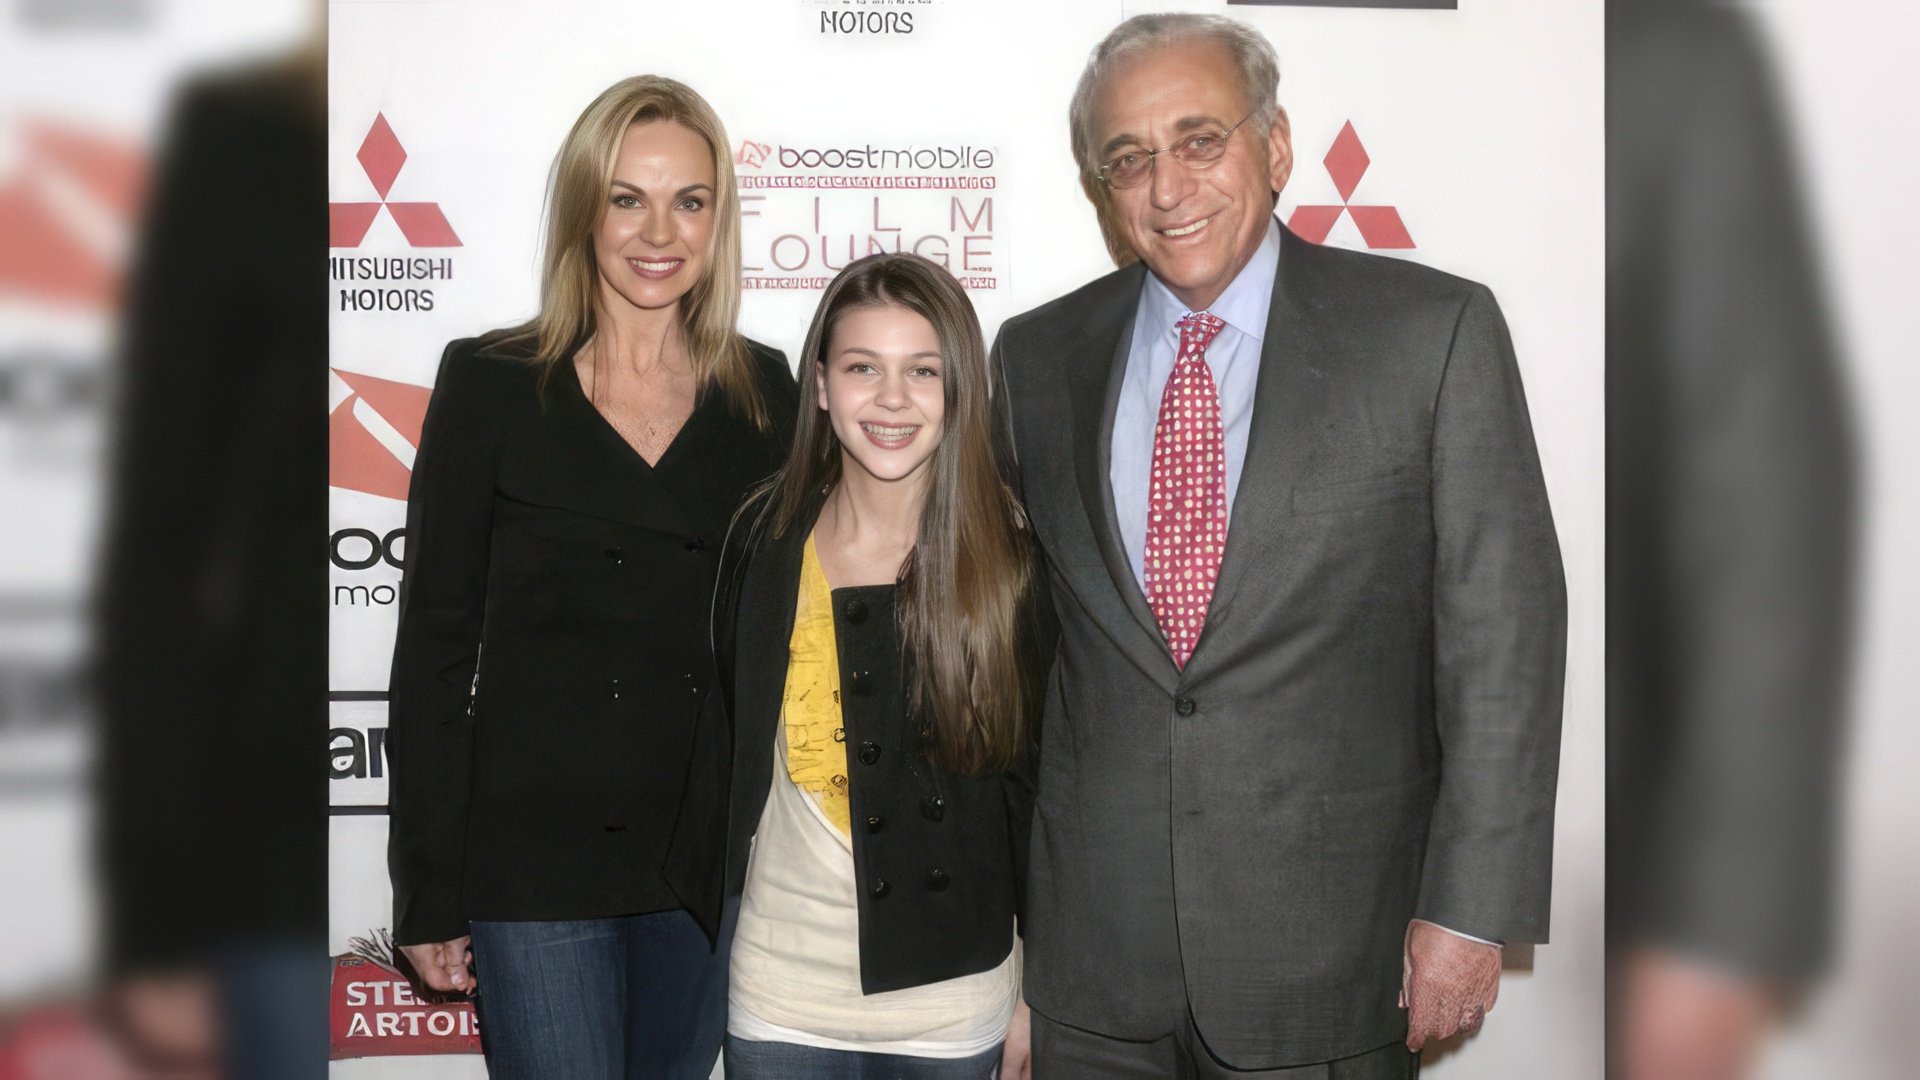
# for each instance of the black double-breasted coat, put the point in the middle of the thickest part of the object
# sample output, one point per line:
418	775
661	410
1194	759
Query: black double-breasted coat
939	858
552	663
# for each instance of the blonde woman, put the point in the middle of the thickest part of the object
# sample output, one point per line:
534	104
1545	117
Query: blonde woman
574	481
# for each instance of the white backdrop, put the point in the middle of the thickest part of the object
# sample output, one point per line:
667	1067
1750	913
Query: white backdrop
1480	127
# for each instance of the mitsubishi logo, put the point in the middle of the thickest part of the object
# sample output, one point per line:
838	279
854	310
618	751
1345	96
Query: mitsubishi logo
372	434
422	223
1380	226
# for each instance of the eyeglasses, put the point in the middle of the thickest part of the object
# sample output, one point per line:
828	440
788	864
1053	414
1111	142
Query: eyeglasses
1198	150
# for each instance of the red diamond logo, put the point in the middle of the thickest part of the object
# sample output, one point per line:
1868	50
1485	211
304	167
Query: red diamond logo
1347	162
1380	226
422	223
382	155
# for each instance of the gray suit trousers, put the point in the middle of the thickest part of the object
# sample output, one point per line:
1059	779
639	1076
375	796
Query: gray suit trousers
1064	1052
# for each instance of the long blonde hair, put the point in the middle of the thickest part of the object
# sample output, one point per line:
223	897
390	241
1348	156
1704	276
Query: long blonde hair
570	278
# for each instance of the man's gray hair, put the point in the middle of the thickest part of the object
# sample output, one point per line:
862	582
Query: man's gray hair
1252	54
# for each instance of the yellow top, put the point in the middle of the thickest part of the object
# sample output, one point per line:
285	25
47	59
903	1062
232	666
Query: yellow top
816	731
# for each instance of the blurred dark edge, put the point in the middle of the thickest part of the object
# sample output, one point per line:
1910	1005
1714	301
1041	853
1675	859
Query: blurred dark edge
211	632
1731	512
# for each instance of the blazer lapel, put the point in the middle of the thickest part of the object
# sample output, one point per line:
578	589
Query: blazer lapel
1285	401
765	629
1096	362
572	459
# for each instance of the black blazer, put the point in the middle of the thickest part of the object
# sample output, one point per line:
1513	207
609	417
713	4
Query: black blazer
544	782
1369	727
939	858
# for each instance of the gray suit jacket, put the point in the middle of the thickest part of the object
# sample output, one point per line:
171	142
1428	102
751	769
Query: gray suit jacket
1368	730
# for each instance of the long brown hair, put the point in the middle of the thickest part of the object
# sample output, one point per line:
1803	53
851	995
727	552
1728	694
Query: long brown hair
964	589
570	279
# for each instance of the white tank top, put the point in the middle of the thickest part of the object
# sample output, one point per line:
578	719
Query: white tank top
795	974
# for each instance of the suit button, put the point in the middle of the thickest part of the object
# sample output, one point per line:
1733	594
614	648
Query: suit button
695	544
614	556
875	824
878	888
855	611
933	809
863	682
938	880
869	752
1184	706
614	687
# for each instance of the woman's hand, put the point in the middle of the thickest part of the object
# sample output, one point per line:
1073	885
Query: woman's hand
1016	1058
446	966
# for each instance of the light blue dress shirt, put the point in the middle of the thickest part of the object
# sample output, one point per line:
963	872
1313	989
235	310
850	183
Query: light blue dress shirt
1234	357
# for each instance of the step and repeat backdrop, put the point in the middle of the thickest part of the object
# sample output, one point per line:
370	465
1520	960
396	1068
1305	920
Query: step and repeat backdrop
1466	135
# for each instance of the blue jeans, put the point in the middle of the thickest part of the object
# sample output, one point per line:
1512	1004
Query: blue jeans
750	1060
640	997
273	1000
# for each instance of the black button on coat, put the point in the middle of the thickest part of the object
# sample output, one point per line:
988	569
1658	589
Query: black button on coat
542	776
939	895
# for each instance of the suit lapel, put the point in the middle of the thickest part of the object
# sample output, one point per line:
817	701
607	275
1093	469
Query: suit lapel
1286	398
1094	467
1096	363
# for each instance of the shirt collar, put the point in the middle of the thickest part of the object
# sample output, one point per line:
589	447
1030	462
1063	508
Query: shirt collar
1243	305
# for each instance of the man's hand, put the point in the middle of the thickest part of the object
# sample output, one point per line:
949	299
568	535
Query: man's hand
1448	983
446	966
1016	1059
1681	1019
166	1025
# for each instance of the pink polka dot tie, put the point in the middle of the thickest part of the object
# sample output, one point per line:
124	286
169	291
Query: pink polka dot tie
1187	502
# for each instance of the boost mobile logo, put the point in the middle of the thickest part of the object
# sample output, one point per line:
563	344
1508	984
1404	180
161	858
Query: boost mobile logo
68	200
372	433
382	156
752	154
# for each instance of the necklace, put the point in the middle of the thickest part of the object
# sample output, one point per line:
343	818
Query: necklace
650	414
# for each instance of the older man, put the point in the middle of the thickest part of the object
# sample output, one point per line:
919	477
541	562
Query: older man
1301	741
